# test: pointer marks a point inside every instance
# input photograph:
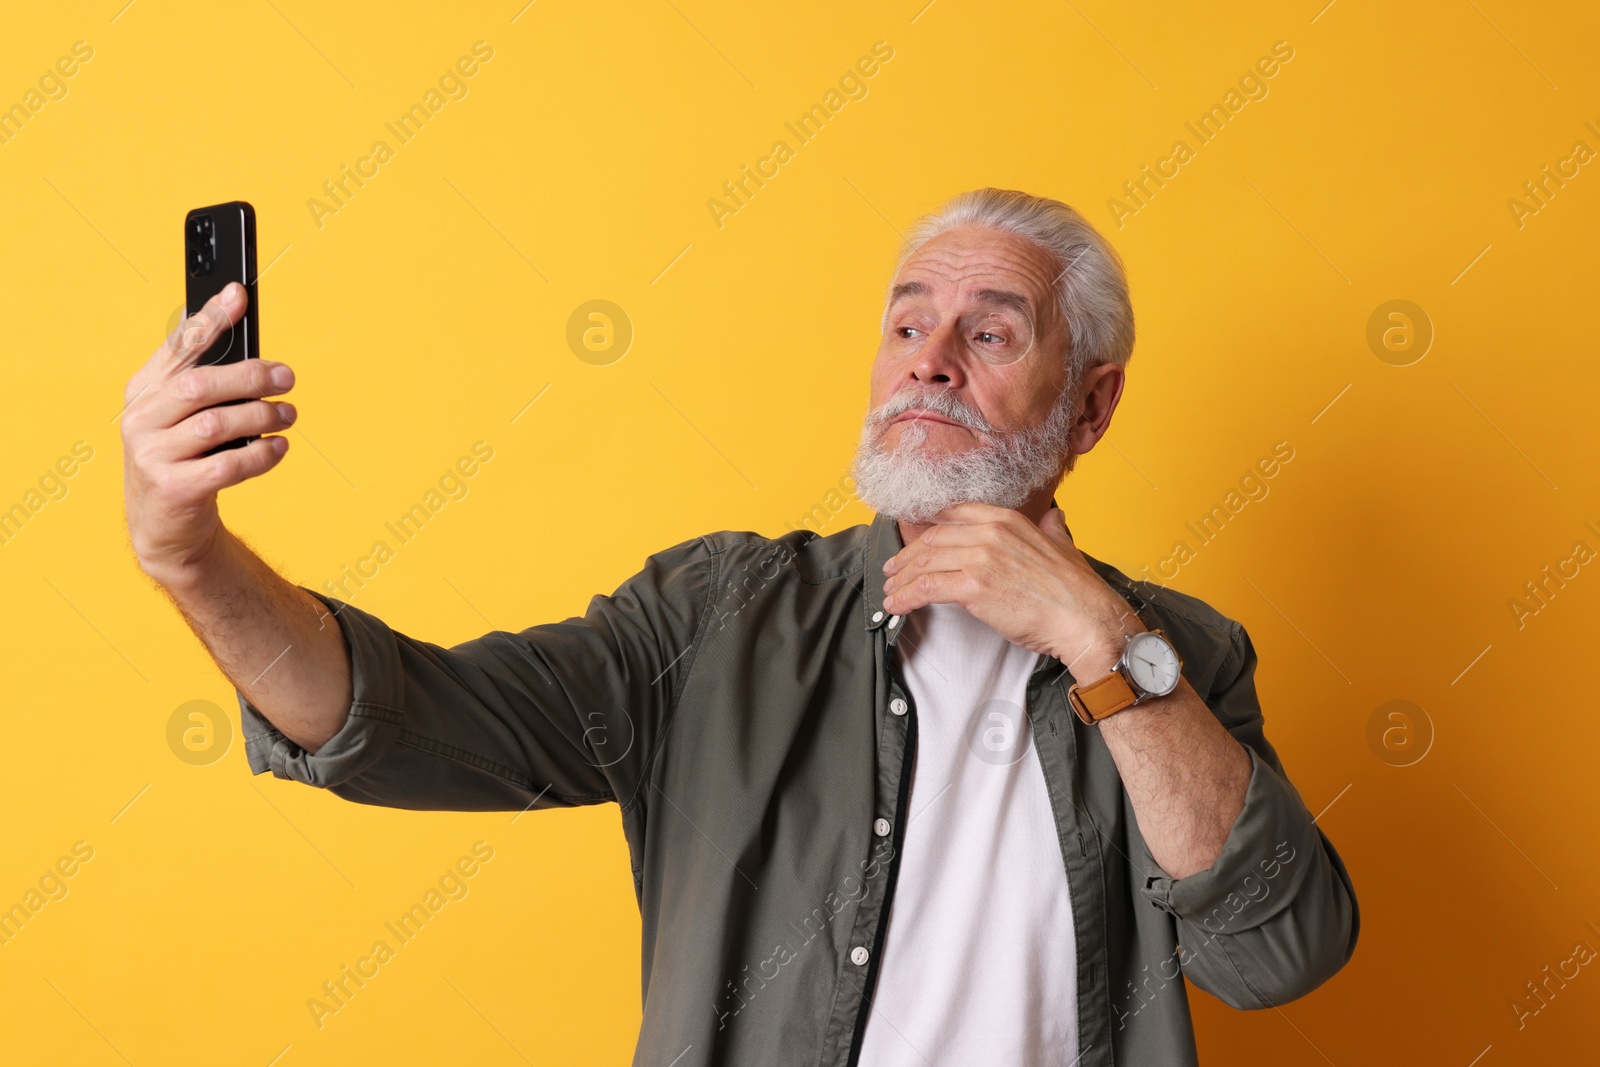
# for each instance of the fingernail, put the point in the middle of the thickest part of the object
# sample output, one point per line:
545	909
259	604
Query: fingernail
285	412
230	293
281	376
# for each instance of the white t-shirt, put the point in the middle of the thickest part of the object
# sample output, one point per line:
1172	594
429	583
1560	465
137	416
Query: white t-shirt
979	959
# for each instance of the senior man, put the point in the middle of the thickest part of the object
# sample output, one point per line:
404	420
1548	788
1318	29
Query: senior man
940	789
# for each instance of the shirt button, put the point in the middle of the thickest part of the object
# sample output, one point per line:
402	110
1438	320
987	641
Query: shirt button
894	620
881	827
897	706
877	616
858	955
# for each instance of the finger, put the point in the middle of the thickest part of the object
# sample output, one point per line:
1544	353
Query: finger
201	387
942	587
941	558
194	335
954	535
972	511
982	516
140	384
206	475
1054	525
207	428
174	353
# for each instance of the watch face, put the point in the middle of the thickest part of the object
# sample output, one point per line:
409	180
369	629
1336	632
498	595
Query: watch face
1152	664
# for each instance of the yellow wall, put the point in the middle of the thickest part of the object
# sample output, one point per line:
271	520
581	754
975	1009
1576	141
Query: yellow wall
429	310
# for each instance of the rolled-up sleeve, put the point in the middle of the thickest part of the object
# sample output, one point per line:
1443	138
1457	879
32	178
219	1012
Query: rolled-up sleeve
1275	915
558	715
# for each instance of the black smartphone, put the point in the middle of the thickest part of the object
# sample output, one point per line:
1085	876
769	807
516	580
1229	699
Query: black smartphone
220	247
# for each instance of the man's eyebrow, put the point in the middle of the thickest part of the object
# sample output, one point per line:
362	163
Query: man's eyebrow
1003	297
906	289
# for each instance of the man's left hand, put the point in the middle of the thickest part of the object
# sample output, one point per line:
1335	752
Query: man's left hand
1028	582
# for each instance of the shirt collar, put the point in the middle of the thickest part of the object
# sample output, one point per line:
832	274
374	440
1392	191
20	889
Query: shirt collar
883	542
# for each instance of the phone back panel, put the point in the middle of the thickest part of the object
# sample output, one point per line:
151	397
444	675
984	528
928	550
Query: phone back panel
220	247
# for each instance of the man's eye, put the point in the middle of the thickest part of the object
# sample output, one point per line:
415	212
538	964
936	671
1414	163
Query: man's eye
989	338
906	331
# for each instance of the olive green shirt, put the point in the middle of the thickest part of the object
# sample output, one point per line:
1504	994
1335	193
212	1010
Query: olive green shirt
738	699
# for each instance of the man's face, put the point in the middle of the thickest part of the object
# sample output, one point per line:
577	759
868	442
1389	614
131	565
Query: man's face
968	398
972	313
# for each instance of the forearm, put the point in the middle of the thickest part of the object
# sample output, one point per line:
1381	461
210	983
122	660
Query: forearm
1275	915
1184	773
276	643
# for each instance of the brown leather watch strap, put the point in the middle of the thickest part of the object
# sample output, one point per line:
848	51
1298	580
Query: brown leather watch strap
1097	700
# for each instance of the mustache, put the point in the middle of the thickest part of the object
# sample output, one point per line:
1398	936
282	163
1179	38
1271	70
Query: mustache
939	401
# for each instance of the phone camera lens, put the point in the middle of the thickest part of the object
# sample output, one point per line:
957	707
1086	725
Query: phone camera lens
202	246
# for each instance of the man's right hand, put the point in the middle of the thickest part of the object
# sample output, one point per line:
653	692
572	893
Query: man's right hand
170	486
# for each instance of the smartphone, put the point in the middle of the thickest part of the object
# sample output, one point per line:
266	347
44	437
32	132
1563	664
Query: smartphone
220	247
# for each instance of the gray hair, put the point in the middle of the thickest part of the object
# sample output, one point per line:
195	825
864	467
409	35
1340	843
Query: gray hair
1091	286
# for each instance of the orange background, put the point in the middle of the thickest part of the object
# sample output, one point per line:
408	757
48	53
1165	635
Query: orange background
432	308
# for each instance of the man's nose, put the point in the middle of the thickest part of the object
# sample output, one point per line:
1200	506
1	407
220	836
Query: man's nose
942	360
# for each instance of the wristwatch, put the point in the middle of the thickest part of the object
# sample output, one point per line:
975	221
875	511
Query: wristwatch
1149	668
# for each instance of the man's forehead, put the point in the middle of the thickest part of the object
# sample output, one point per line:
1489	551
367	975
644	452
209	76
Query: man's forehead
992	268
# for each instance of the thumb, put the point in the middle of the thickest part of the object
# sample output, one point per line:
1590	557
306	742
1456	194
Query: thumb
1054	525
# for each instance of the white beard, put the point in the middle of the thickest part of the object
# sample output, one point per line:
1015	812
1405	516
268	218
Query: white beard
1004	468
